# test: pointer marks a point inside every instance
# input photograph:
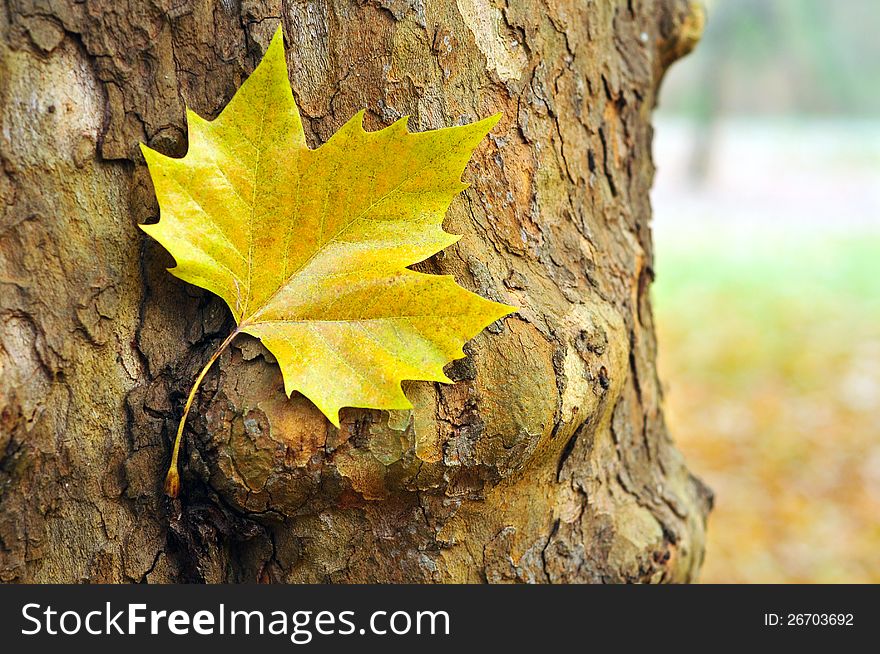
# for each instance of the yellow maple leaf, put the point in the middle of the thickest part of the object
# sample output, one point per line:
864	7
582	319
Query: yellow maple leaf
310	248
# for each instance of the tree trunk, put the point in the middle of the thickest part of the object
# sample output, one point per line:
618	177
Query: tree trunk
546	461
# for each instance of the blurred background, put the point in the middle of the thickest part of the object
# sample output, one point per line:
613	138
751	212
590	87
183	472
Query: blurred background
767	230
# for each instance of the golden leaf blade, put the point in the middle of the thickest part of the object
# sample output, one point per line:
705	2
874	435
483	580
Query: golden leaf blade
310	248
409	326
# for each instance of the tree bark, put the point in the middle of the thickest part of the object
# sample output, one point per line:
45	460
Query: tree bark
546	461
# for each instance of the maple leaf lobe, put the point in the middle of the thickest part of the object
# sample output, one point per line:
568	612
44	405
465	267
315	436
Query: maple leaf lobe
310	248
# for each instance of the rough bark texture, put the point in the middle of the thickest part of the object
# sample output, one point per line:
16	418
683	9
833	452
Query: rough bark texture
547	461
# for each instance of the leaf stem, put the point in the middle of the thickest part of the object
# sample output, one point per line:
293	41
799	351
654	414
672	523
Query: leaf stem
172	479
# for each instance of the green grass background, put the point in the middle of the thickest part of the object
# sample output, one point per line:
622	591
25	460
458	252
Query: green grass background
770	354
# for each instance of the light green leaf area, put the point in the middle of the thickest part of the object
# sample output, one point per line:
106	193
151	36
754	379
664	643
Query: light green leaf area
310	248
